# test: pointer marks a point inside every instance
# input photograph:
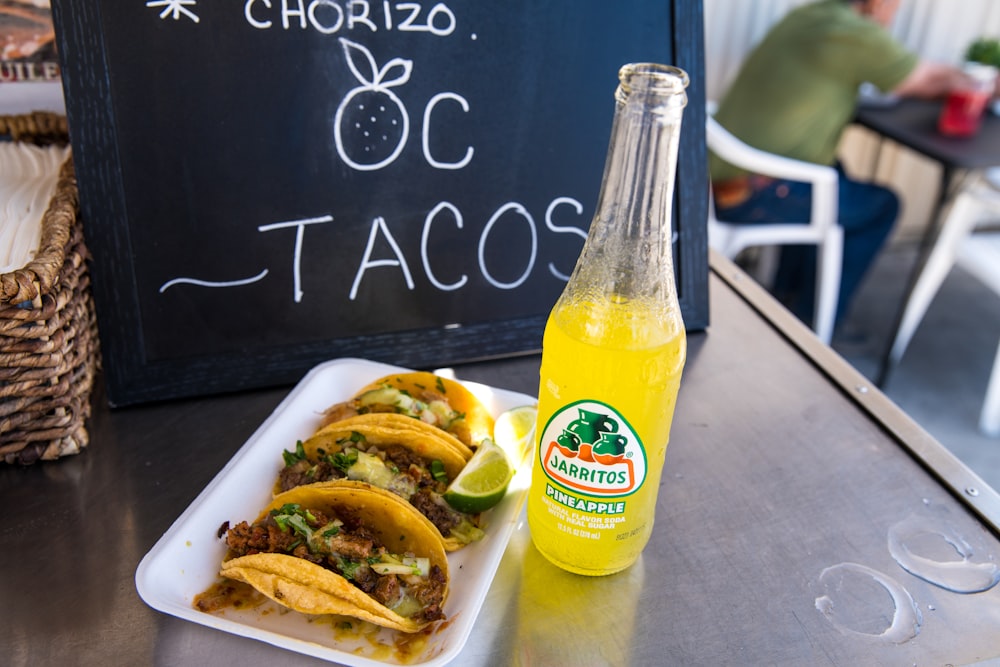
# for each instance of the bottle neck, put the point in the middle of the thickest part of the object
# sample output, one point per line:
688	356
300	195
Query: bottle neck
631	233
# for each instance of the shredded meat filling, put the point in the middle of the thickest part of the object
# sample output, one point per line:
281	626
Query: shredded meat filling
352	543
429	592
387	590
339	412
411	462
354	546
245	539
427	499
305	472
443	518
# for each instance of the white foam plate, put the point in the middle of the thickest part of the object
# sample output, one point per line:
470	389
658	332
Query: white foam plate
185	561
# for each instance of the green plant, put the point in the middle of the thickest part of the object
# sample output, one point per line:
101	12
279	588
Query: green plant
985	51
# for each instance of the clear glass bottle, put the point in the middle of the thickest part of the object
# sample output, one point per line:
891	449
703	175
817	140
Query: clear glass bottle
614	347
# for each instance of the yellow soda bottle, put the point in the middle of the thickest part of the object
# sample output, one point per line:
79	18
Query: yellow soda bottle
614	347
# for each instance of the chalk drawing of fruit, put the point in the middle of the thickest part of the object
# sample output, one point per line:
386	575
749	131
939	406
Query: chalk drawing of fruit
371	125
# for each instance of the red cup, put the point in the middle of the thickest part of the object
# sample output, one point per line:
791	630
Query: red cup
964	107
962	113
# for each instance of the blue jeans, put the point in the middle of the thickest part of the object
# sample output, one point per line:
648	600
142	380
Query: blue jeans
866	211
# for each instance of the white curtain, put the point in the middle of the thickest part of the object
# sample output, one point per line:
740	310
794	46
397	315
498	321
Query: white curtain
937	29
732	28
943	29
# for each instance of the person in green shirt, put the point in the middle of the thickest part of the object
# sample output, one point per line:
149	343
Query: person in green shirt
794	96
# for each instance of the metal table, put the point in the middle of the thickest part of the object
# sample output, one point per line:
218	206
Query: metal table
786	471
913	123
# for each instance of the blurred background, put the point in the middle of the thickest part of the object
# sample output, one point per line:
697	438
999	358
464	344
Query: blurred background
942	378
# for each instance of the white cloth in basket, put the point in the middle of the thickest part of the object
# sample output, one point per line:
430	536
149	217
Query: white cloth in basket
28	176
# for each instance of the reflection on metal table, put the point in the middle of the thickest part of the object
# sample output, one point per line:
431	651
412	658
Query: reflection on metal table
802	519
912	123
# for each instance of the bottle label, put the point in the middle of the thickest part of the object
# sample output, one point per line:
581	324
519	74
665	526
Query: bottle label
590	448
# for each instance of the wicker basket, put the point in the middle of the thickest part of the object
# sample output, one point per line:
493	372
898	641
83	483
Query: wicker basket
49	351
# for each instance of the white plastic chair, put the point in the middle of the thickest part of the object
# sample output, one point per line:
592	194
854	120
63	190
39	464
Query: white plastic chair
978	252
821	229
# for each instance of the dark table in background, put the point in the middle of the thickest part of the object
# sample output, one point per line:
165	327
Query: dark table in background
783	462
912	123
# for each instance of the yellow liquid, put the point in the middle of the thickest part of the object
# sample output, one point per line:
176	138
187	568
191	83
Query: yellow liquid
627	359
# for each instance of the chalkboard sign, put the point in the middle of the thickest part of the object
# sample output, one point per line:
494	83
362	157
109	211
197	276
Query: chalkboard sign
269	184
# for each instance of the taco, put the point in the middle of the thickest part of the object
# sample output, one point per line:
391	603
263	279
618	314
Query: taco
343	548
439	401
390	455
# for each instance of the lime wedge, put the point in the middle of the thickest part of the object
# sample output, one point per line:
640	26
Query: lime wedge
514	430
482	482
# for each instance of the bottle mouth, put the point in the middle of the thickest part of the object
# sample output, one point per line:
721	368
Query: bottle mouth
652	78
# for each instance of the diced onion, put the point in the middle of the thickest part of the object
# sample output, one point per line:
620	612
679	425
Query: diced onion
409	566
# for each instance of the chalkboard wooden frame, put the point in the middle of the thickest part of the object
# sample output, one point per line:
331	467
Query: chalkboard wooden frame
132	377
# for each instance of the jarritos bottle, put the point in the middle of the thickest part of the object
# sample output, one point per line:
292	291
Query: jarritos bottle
614	347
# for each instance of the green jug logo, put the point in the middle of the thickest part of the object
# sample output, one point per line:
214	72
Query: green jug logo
589	447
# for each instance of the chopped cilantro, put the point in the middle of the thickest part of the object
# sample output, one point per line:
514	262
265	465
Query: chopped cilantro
345	459
295	523
438	472
291	458
292	516
293	508
348	568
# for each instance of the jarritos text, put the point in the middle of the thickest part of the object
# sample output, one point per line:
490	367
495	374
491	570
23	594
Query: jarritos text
590	448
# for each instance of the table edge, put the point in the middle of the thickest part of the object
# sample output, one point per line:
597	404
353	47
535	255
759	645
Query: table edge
960	480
